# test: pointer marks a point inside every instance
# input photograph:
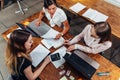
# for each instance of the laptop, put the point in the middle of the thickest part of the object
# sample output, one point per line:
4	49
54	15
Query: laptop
82	63
36	31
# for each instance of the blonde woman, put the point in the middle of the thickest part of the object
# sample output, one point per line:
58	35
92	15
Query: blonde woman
17	59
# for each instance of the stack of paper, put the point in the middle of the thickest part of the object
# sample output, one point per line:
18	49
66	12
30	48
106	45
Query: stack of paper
77	7
38	54
95	15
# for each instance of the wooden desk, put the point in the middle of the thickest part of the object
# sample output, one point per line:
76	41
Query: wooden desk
51	73
110	10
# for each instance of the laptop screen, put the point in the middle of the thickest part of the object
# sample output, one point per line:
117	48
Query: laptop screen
40	30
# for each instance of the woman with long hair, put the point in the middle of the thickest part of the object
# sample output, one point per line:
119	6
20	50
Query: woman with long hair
97	38
18	60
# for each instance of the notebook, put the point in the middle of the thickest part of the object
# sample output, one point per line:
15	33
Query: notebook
82	63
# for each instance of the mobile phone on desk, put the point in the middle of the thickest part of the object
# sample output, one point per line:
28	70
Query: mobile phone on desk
55	57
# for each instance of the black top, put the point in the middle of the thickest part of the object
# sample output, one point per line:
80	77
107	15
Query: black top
23	63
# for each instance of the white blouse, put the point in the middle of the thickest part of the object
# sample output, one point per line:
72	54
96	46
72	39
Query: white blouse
58	17
93	45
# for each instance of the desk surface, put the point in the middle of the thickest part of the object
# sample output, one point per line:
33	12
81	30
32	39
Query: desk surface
51	73
108	9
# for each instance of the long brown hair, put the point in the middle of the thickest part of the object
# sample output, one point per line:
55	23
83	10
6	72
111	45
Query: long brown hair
103	30
15	46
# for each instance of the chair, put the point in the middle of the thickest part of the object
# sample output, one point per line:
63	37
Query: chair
21	5
2	4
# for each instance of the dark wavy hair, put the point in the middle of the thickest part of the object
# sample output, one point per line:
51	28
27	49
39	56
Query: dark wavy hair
103	30
47	3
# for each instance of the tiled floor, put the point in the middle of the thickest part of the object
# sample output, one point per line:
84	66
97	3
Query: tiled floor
7	19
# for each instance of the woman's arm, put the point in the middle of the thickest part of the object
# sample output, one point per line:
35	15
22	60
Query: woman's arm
32	76
65	29
100	48
41	15
81	35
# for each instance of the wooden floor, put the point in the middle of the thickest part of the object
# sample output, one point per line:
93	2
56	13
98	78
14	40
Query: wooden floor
108	9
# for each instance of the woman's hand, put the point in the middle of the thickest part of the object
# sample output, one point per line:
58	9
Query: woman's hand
38	23
58	36
67	42
70	48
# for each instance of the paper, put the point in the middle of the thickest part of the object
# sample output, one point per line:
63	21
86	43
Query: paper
38	54
95	15
62	52
50	42
8	36
77	7
50	34
63	78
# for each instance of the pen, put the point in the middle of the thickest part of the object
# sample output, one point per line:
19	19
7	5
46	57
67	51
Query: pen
103	73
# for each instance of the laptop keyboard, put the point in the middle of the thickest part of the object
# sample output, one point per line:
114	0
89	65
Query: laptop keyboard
83	66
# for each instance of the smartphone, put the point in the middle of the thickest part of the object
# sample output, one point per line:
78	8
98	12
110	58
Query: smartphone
55	57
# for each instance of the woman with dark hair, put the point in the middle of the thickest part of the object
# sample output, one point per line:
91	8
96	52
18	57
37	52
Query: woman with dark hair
18	60
55	15
97	38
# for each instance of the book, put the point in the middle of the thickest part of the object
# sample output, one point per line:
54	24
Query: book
95	15
38	54
77	7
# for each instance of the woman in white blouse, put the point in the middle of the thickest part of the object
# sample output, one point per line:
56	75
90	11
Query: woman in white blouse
97	38
55	15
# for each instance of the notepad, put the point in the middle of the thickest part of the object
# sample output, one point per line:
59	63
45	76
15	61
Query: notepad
95	15
77	7
38	54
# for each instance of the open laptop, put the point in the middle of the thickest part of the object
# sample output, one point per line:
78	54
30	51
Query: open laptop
82	63
36	31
